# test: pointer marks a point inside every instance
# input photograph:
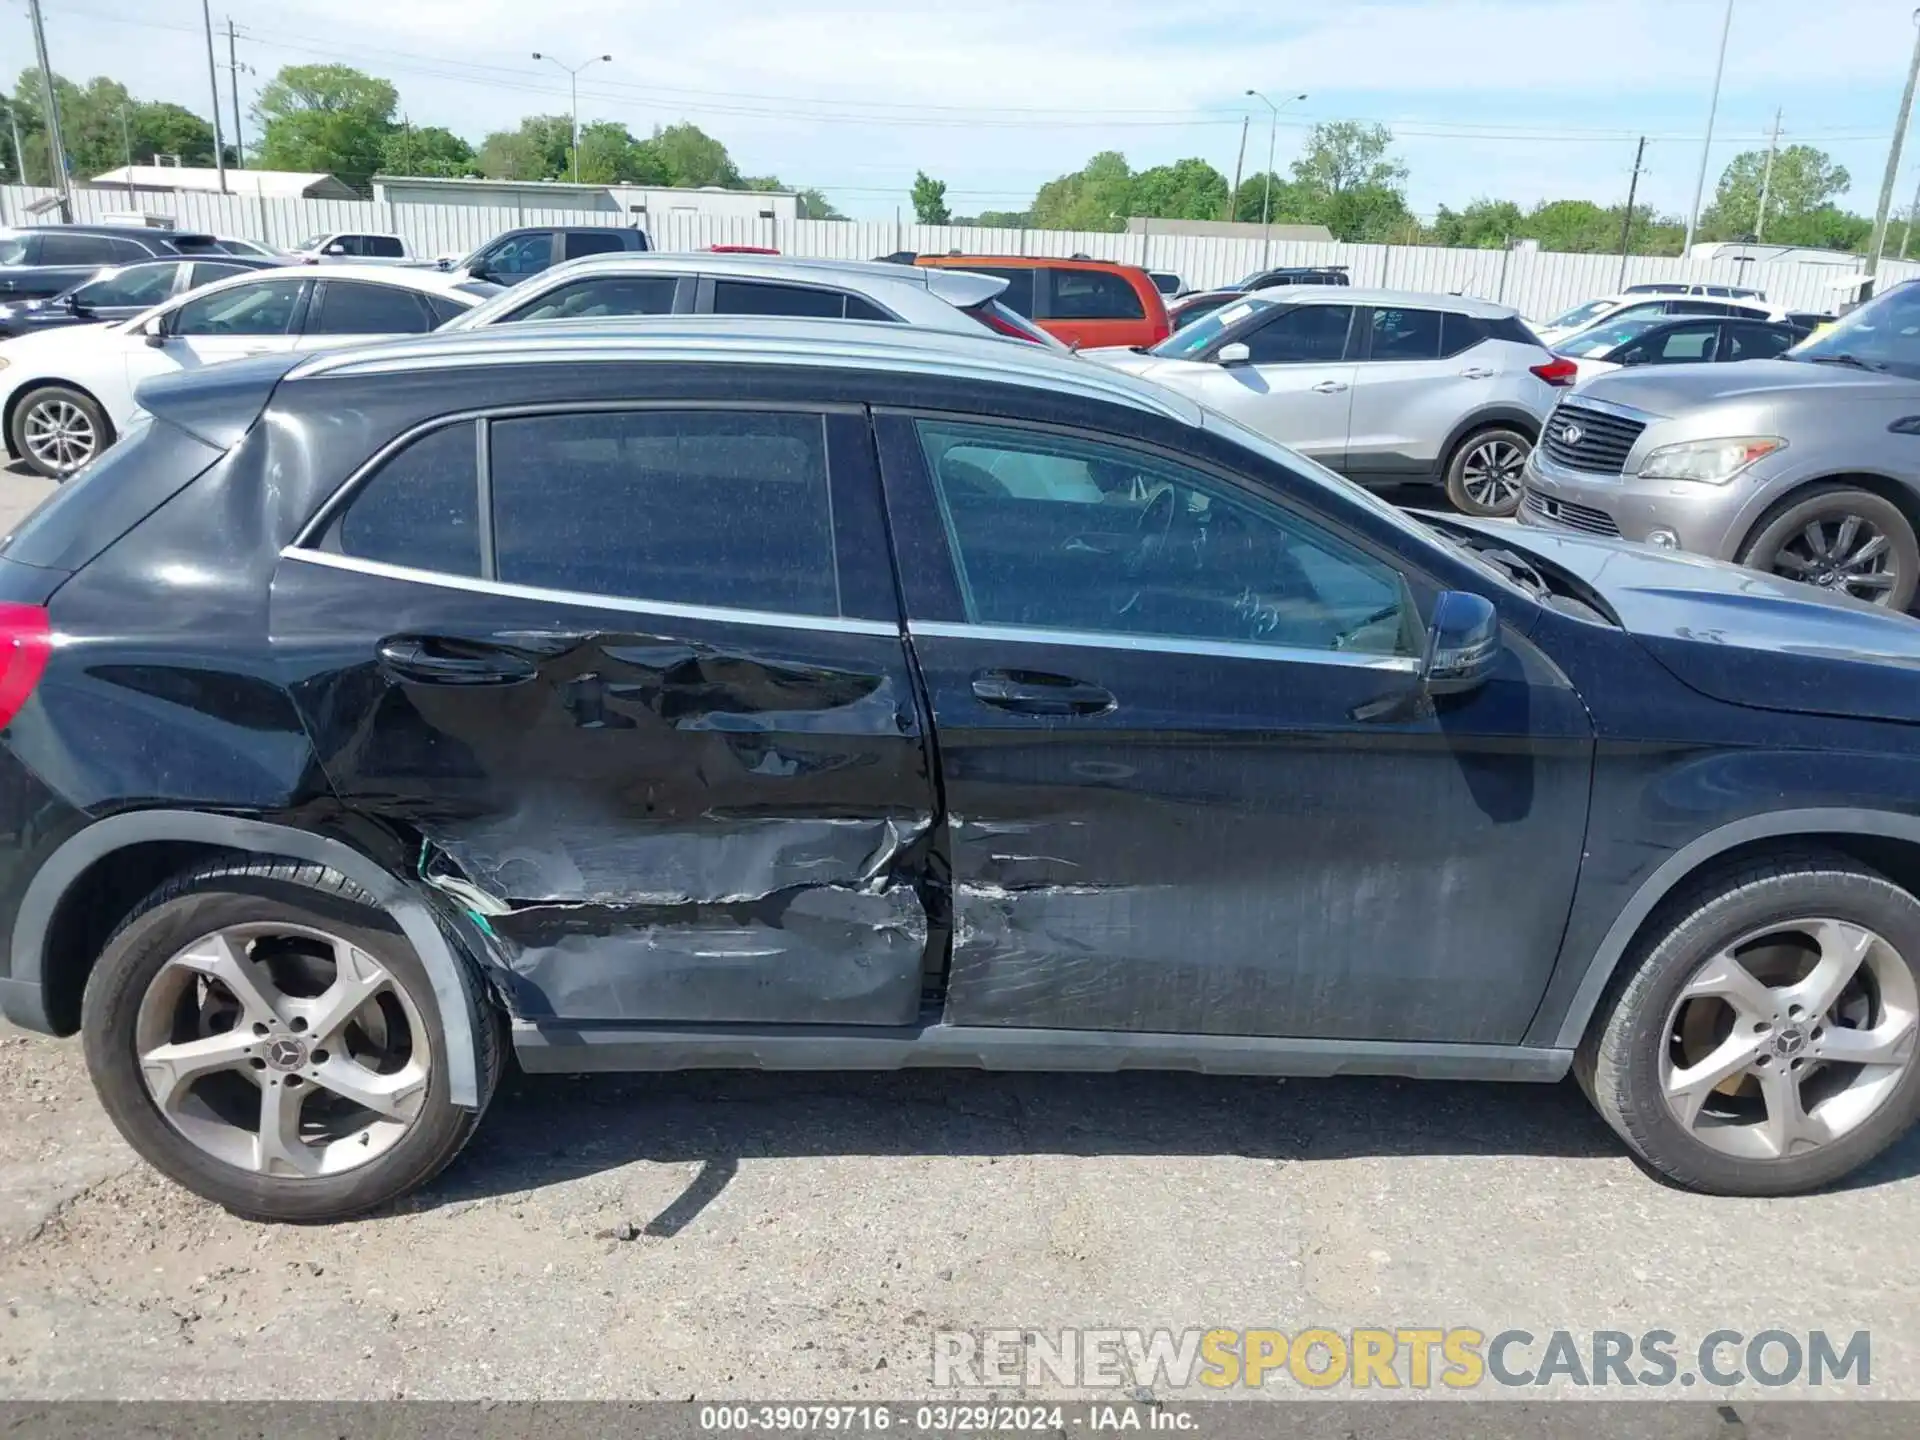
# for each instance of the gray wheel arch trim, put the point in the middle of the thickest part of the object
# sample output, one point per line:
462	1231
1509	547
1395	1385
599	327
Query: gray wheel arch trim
1488	417
408	910
1780	825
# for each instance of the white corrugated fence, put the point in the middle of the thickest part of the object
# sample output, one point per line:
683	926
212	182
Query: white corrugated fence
1539	284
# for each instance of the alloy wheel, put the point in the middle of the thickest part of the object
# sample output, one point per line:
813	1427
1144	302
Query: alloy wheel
1789	1038
59	435
283	1050
1848	553
1491	473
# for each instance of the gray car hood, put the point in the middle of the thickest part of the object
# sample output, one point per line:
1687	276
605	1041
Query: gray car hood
1674	389
1739	635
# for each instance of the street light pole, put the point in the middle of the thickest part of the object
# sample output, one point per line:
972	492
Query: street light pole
1713	108
573	83
1266	197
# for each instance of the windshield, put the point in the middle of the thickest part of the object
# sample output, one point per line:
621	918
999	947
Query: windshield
1580	315
1598	339
1192	340
1883	334
313	242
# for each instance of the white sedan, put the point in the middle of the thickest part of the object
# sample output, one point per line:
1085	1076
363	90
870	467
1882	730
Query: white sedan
66	394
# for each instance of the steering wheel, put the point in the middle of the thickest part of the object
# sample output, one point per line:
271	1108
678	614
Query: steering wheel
1152	538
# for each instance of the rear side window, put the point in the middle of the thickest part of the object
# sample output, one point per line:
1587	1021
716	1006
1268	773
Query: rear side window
136	285
265	308
740	297
347	307
205	272
1405	334
859	308
387	247
592	242
1699	307
1093	295
1463	332
63	249
1755	342
444	309
701	507
1018	296
608	295
420	508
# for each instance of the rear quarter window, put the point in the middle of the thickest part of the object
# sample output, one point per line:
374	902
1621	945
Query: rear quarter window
420	509
1093	295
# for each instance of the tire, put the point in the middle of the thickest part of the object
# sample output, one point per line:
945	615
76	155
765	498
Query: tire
70	413
1780	544
1630	1052
142	963
1496	456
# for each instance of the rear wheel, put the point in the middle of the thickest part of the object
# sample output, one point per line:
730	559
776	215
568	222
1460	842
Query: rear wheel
269	1040
1764	1043
57	429
1844	539
1483	478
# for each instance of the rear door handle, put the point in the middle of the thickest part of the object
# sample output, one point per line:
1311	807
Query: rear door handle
431	660
1031	692
1331	387
1476	372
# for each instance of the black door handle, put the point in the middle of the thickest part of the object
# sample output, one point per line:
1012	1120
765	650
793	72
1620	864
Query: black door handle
429	660
1032	692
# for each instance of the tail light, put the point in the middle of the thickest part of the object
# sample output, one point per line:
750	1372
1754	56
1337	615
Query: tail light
1558	372
1004	322
26	639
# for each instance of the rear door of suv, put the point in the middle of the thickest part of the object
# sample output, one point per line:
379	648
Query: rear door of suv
1091	306
633	675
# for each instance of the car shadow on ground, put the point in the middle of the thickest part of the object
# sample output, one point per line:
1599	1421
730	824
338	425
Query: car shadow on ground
547	1129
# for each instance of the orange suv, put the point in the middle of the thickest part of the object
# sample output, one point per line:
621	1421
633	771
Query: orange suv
1084	303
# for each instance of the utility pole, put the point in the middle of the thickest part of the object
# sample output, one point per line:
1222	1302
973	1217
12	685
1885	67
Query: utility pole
1233	195
234	67
19	155
213	85
1713	108
1766	180
56	147
1626	223
1266	195
1893	168
126	139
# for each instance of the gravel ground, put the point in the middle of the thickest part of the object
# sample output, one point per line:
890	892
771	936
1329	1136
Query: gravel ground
719	1235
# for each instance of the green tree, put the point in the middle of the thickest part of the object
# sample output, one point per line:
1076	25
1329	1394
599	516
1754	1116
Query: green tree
1283	202
929	199
609	155
1482	225
815	206
1184	190
100	123
1578	226
427	150
1098	196
693	158
541	148
327	118
1343	155
1805	182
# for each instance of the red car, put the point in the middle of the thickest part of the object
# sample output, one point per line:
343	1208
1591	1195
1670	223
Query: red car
1085	303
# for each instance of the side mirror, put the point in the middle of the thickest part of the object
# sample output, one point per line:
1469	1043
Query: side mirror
1634	357
155	331
70	302
1463	644
1235	354
336	248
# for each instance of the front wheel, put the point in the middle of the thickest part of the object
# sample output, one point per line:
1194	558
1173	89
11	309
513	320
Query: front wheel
1842	539
268	1039
1484	476
1763	1042
57	429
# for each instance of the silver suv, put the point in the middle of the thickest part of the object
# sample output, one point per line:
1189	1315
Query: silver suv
1807	466
1385	386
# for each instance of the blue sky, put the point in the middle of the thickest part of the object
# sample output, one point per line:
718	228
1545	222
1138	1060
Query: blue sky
1518	99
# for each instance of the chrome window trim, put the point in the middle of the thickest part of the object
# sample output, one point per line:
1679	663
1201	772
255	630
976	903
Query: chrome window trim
1163	645
666	609
483	495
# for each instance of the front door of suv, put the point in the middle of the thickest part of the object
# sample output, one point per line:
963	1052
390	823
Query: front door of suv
634	680
1185	792
1296	386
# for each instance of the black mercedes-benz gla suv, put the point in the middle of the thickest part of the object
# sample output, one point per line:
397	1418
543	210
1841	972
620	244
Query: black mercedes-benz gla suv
742	692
